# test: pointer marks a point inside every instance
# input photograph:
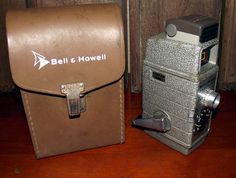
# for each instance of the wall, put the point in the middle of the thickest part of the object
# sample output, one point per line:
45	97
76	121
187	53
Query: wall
227	77
50	3
146	18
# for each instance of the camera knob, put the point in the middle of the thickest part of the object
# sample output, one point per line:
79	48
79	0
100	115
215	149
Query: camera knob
209	98
202	119
171	30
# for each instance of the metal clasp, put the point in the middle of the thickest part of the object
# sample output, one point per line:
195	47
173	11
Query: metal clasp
75	98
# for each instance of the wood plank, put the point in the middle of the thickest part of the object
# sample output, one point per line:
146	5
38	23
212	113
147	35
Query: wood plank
227	76
135	45
52	3
151	17
6	83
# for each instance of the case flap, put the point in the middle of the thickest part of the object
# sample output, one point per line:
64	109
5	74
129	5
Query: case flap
53	46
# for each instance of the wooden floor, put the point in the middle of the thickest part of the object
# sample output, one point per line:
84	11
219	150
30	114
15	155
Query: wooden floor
141	156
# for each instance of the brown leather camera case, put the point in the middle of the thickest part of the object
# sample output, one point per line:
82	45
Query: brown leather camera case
68	63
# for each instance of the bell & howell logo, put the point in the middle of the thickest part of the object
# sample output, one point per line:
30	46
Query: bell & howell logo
41	61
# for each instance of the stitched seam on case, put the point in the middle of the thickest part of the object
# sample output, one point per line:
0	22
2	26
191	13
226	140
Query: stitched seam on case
31	124
121	111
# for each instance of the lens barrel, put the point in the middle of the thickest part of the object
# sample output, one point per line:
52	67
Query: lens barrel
209	98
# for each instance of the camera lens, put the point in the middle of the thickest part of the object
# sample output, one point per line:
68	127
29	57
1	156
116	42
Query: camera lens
209	98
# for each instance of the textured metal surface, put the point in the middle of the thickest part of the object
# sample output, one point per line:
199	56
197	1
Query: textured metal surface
172	77
175	55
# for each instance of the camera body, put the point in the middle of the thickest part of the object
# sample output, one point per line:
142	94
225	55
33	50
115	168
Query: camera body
179	80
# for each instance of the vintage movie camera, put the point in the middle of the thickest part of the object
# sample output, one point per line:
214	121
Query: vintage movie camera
179	80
